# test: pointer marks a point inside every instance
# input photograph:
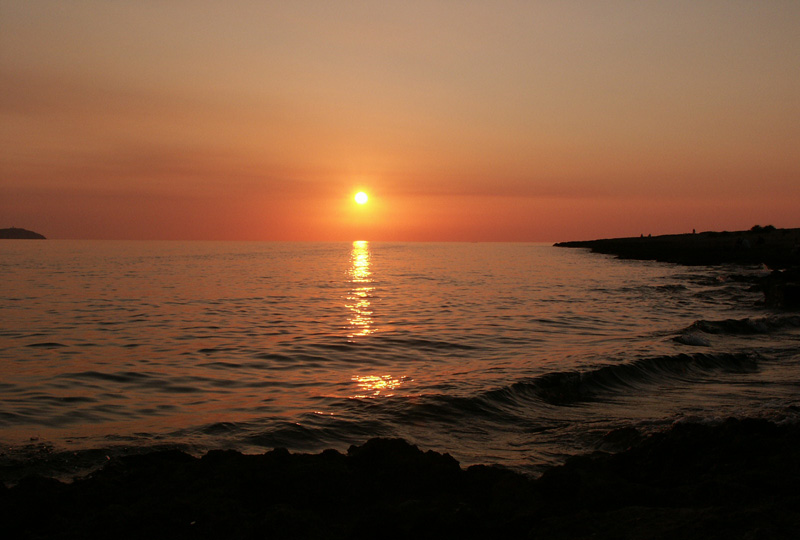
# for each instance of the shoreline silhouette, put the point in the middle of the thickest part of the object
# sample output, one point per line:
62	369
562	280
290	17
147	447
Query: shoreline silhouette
775	248
735	479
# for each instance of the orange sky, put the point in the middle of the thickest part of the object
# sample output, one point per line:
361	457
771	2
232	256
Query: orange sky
524	121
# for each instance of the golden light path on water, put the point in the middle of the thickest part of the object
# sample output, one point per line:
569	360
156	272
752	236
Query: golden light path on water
358	301
361	323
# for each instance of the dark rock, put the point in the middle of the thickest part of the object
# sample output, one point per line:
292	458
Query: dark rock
779	251
620	439
782	289
738	479
742	247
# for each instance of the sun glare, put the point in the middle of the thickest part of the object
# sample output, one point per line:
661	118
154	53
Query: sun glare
361	197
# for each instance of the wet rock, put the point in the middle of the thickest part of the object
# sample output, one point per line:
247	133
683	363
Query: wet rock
620	439
782	289
738	479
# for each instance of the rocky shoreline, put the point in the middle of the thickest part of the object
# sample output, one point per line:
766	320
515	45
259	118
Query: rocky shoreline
778	249
736	479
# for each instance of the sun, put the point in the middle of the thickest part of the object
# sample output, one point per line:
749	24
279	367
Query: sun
361	197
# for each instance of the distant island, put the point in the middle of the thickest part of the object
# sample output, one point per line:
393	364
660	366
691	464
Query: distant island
19	234
776	248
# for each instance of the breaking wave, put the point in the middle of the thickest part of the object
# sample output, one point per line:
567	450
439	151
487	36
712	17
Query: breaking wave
760	325
571	388
568	387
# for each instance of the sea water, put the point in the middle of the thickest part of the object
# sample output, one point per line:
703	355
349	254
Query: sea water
508	353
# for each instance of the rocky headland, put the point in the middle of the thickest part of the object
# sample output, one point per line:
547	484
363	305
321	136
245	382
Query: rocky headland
778	249
14	233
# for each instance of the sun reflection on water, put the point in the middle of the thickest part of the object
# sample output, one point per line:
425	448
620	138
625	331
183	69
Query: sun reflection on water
371	386
358	299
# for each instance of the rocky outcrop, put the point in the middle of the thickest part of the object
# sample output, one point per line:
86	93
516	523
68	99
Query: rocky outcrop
738	479
782	289
777	248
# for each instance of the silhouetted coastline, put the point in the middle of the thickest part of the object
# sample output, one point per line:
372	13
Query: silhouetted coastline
15	233
736	479
778	249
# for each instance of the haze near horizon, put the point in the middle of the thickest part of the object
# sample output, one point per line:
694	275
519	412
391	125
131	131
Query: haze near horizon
516	121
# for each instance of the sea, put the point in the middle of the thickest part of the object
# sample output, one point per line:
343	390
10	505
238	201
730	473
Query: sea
515	354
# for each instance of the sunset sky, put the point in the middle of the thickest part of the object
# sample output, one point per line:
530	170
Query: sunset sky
462	120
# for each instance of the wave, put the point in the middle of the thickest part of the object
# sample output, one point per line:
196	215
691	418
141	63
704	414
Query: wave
416	343
762	325
667	288
46	345
513	403
571	387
